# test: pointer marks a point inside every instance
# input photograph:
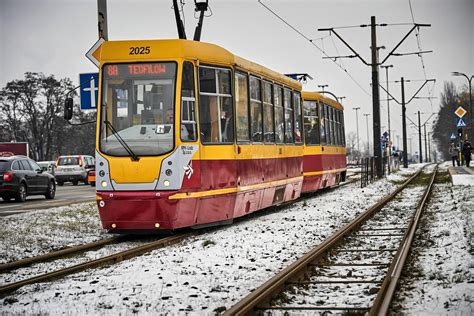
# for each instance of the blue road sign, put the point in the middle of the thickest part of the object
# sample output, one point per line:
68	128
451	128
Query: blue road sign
453	136
89	90
460	122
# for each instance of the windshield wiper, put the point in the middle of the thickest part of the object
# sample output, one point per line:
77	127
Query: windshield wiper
121	141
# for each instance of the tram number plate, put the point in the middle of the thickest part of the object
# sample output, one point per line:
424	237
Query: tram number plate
139	50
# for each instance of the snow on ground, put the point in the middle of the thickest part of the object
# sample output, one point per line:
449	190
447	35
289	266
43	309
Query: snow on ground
208	272
40	231
439	278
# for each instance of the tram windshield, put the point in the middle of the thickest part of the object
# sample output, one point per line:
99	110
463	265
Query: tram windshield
137	109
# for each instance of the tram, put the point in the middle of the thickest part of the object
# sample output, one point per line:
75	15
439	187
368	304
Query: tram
190	135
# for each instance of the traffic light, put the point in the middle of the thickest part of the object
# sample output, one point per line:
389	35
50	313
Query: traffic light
460	133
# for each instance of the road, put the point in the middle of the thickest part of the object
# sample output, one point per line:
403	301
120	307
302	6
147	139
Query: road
65	195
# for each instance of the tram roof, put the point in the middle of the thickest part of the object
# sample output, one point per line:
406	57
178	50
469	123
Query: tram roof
309	95
118	51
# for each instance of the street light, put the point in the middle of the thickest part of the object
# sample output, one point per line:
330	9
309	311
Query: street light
357	124
339	99
471	122
368	138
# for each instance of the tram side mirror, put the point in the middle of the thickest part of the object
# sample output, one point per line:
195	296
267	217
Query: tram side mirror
68	106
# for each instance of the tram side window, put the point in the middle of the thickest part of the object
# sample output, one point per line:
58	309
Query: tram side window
297	112
268	119
311	123
339	127
215	105
343	129
324	124
336	127
242	109
332	125
188	104
279	116
256	110
287	104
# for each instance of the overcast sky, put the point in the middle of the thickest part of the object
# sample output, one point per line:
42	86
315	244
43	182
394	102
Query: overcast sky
52	36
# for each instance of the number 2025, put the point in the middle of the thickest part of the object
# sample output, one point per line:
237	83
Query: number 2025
142	50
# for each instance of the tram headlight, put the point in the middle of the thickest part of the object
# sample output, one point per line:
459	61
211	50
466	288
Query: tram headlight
168	172
166	183
103	184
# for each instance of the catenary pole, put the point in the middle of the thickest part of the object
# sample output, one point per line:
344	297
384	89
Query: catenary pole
388	118
375	100
419	137
368	135
404	127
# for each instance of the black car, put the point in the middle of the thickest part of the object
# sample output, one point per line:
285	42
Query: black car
21	176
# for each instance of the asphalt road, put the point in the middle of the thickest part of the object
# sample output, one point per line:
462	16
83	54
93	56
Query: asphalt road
65	195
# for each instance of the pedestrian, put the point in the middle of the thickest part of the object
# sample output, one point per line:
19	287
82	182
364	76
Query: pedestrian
466	152
454	152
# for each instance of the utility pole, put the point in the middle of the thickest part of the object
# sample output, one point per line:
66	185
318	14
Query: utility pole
368	136
419	137
357	124
470	124
375	80
376	99
388	118
429	146
426	144
102	19
411	152
403	104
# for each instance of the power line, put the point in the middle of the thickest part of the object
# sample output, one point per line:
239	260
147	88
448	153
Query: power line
418	40
317	47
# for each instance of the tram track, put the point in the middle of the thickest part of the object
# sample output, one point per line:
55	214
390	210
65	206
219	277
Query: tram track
89	264
362	261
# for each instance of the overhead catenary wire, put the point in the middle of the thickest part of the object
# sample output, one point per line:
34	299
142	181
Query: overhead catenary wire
316	46
418	40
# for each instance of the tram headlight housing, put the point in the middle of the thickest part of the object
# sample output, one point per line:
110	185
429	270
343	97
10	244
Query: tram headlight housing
103	184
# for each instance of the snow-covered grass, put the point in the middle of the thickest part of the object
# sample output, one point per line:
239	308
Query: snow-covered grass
40	231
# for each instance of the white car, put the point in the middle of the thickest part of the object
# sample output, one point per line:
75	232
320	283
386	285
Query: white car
73	168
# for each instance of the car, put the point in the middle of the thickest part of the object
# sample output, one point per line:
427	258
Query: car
48	166
73	168
91	177
20	177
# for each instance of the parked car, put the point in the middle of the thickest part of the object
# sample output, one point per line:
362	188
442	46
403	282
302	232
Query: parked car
91	178
73	168
48	166
21	176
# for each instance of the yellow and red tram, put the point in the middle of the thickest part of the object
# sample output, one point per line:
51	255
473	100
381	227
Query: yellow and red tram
189	134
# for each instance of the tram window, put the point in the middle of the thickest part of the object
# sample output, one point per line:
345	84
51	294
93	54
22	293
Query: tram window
242	109
343	129
256	110
331	125
207	80
322	119
297	112
188	104
311	122
215	109
268	119
279	117
287	104
339	127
